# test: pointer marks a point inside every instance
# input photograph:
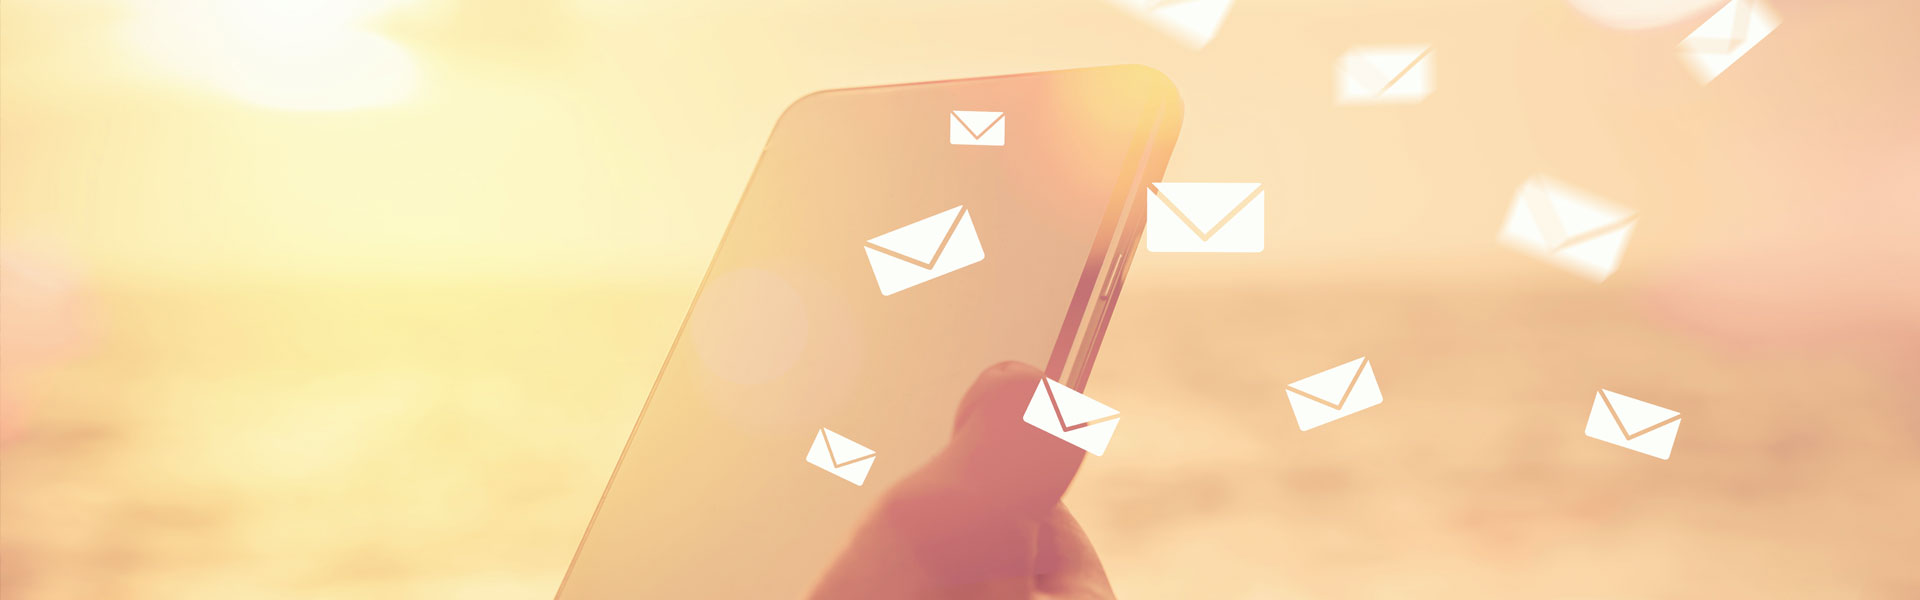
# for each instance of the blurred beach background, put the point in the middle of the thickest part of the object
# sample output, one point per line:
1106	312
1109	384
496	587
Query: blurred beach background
360	298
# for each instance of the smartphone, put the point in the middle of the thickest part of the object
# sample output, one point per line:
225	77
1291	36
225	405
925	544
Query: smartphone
893	242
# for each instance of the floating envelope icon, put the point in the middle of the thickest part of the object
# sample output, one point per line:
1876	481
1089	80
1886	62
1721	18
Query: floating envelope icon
840	456
977	128
923	250
1192	22
1727	36
1633	424
1206	217
1071	416
1568	227
1384	75
1334	393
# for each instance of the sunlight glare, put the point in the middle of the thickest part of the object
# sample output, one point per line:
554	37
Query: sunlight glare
307	55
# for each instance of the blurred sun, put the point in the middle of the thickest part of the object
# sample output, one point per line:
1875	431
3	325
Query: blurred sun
283	54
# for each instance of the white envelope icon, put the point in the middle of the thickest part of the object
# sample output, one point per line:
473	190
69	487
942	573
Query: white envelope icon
1568	227
1727	36
1206	217
1632	424
1334	393
1384	75
841	456
977	128
926	249
1192	22
1071	416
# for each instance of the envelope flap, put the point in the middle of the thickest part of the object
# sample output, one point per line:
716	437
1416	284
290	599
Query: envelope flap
844	450
1375	66
1576	211
1722	25
921	240
1635	416
1331	385
1733	25
1190	19
978	122
1206	205
1075	408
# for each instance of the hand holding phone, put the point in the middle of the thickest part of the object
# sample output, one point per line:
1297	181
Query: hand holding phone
983	519
892	242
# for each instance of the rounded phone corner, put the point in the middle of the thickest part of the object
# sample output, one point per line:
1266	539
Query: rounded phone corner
1155	81
797	104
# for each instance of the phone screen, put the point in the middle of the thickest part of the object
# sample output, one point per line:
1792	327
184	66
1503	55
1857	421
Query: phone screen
892	243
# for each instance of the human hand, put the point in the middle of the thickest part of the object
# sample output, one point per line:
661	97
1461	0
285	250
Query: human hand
983	519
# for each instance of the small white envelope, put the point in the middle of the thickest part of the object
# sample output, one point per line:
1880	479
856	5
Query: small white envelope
1568	227
977	128
1192	22
926	249
1727	36
1206	217
840	456
1633	424
1384	75
1071	416
1334	393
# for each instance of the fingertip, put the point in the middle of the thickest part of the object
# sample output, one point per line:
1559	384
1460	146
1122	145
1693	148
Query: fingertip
1000	388
995	450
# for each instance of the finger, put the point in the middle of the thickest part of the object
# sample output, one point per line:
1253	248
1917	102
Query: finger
1010	465
965	525
1065	565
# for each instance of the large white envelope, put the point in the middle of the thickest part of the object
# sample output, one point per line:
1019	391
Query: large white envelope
1633	424
926	249
1384	75
1071	416
1337	392
1727	36
1568	227
1206	217
840	456
1192	22
977	128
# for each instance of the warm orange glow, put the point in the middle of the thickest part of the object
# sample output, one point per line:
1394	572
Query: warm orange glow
359	298
284	54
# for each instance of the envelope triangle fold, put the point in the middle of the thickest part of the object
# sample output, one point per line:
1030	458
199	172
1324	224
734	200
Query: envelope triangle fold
1194	22
1075	408
1207	205
1382	66
1727	36
1580	213
1597	255
1722	31
921	240
844	450
1635	416
1331	385
978	122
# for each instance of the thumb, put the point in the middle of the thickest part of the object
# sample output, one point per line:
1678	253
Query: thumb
1014	468
966	524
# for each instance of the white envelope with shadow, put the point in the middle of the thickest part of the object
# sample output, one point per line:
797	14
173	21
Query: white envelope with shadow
1568	227
836	454
1328	395
1071	416
923	250
1206	217
1633	424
